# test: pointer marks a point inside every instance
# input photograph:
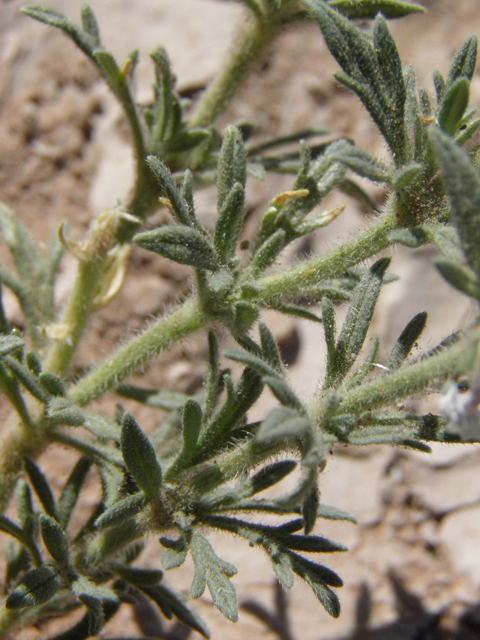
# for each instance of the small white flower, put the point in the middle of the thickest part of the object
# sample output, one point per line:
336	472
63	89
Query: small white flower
462	409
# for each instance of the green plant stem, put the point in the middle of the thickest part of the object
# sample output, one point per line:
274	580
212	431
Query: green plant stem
409	380
379	392
363	246
134	355
18	440
76	314
253	37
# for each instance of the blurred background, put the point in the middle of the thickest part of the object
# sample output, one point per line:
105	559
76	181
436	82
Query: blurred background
413	568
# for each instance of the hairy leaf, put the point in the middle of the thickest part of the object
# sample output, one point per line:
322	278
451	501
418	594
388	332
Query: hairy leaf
369	9
407	340
173	603
36	587
140	456
121	510
42	488
213	571
462	184
55	539
180	244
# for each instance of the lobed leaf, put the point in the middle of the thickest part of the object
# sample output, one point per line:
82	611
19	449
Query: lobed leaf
213	571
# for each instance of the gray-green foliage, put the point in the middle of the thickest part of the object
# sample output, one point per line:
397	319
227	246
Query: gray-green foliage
206	465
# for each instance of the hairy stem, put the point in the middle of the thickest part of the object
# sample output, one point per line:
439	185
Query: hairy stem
139	351
253	37
363	246
409	380
17	441
76	315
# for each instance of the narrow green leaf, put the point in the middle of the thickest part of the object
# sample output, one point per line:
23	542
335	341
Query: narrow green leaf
282	567
293	310
282	422
270	348
463	135
390	67
312	544
138	576
364	10
90	25
464	61
164	98
406	174
229	222
169	600
283	392
165	179
36	587
42	487
440	85
192	422
267	253
270	475
453	106
52	384
407	340
180	244
245	316
140	456
96	618
232	164
462	184
28	379
121	510
33	363
329	327
110	70
7	526
71	490
252	361
446	238
316	572
184	141
163	399
57	19
459	277
357	321
10	344
362	162
309	510
55	539
24	500
333	513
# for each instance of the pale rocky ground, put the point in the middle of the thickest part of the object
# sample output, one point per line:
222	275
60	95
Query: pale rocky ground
413	569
